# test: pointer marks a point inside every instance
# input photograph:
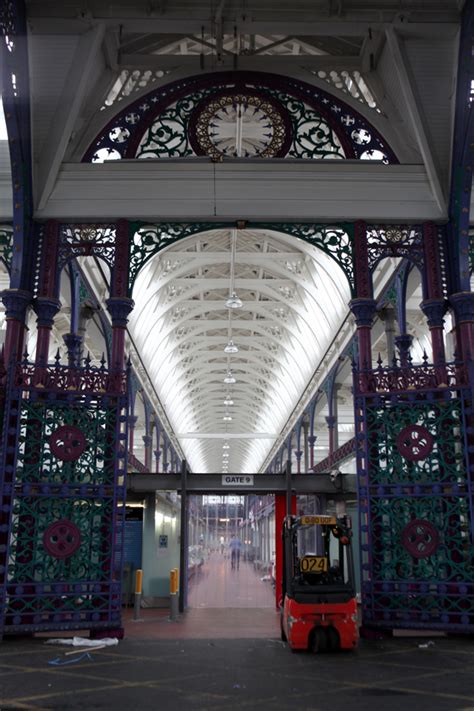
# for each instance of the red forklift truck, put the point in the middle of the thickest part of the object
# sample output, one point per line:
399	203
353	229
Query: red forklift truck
319	610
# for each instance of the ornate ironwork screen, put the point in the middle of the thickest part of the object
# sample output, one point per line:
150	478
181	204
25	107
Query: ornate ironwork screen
62	498
415	498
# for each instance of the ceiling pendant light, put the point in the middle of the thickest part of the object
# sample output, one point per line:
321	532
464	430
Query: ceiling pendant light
226	445
228	401
229	378
233	302
227	418
231	347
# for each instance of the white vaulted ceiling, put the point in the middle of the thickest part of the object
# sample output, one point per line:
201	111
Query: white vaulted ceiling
294	299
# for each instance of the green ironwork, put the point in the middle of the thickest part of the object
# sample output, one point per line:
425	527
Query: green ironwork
335	240
416	539
62	546
313	138
32	562
452	558
84	291
146	240
168	136
6	244
445	461
37	462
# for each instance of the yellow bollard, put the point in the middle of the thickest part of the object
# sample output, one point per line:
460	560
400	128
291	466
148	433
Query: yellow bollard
138	594
138	581
174	580
173	594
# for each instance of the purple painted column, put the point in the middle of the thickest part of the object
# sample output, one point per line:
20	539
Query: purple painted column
434	305
119	304
132	421
147	439
463	305
46	305
364	312
73	344
157	454
403	342
311	442
363	306
16	301
434	310
331	423
298	455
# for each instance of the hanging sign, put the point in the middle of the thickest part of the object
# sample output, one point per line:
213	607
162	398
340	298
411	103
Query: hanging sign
237	480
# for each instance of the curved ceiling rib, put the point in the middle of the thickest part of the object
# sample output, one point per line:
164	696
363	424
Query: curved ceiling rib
294	296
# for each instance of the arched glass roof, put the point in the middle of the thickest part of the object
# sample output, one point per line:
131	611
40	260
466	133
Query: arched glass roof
293	298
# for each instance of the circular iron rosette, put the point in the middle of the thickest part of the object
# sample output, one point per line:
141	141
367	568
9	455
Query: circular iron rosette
67	443
62	539
415	443
420	538
242	124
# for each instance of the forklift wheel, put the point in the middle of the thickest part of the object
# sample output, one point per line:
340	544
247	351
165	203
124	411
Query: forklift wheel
334	643
319	640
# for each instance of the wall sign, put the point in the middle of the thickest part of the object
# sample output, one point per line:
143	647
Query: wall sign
237	480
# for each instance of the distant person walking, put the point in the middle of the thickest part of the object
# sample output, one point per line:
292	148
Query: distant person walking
235	545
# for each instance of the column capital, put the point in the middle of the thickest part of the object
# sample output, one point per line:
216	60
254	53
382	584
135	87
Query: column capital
146	440
16	301
434	310
119	308
331	421
73	343
463	305
132	421
46	309
363	310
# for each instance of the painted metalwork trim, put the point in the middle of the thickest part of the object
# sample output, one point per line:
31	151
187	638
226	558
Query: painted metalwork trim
169	108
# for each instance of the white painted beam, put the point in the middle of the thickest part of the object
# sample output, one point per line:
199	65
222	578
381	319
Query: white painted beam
416	117
265	190
75	88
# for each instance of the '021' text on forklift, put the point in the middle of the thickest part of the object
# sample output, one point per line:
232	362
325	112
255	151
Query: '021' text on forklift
319	610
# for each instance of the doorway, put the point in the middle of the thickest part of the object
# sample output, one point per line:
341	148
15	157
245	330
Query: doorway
231	551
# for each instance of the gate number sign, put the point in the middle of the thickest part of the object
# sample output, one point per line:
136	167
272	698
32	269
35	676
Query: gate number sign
234	480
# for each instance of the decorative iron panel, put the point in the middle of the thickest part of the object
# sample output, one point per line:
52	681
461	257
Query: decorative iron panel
62	501
279	117
415	509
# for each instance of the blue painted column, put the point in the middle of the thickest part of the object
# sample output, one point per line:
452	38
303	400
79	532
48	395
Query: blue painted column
16	104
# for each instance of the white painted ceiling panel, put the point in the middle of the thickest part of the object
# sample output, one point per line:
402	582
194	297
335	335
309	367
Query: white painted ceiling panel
434	68
51	57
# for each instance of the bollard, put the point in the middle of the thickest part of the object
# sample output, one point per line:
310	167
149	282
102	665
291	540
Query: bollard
138	594
174	594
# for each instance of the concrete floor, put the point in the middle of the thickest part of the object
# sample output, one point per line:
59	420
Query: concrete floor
230	657
226	674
